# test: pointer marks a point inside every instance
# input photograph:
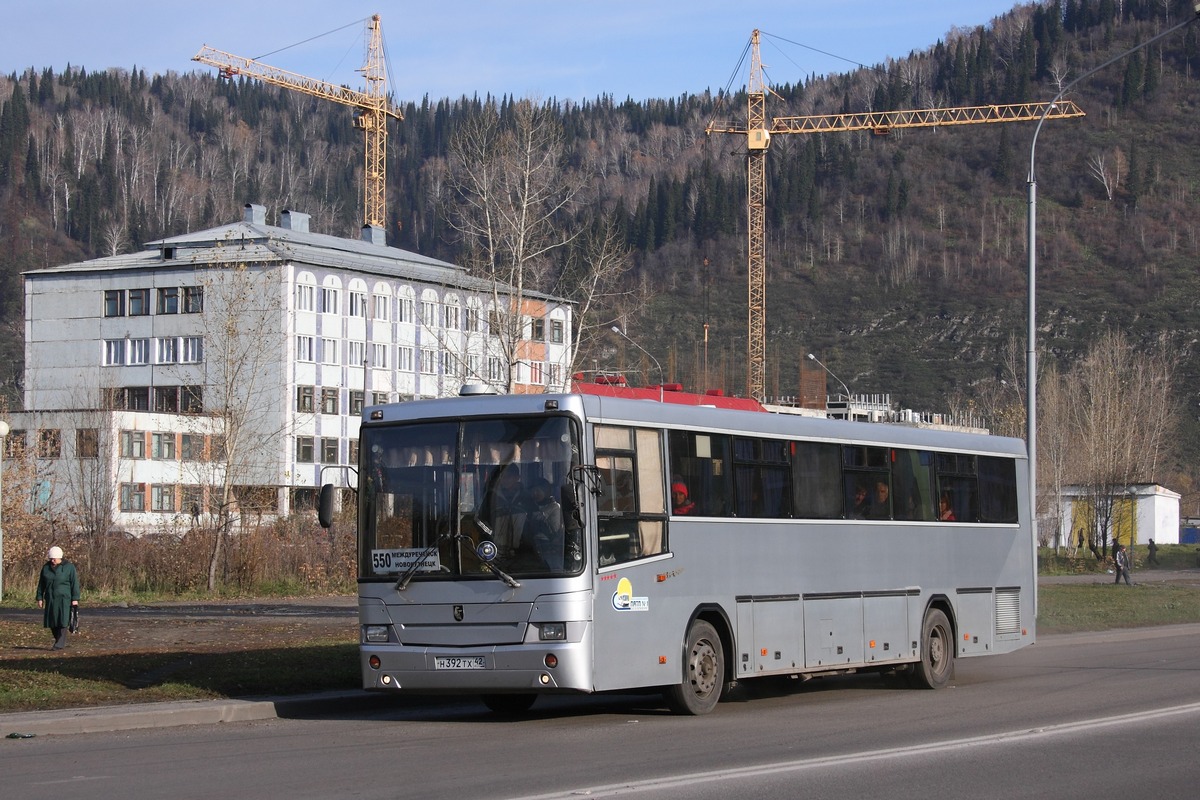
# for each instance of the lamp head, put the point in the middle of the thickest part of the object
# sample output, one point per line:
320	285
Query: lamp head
811	357
616	329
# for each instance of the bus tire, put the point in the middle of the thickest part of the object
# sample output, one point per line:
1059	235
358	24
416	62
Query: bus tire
509	704
936	667
703	676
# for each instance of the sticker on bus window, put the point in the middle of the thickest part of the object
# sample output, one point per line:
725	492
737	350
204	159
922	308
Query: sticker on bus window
385	561
623	599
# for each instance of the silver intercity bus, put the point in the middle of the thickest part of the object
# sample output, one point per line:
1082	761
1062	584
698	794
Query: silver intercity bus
615	539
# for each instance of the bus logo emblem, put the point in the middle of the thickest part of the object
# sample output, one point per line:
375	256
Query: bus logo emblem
458	613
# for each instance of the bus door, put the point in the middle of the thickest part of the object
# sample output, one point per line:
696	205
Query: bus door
630	608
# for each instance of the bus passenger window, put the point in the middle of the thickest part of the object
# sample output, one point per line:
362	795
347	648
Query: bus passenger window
633	505
700	461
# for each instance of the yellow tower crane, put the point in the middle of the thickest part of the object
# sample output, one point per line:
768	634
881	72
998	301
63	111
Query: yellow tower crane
373	105
758	138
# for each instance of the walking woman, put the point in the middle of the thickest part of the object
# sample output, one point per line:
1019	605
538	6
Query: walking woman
57	593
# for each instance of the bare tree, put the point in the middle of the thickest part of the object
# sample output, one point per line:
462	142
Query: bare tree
514	194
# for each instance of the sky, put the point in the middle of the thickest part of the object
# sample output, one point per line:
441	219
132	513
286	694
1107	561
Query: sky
564	49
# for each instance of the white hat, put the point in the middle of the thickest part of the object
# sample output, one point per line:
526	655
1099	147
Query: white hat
55	552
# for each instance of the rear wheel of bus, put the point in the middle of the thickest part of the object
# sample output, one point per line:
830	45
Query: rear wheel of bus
936	667
703	675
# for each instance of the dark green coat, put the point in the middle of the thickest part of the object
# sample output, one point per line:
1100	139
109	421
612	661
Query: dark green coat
58	586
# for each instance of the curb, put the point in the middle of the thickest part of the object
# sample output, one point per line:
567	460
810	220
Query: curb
173	714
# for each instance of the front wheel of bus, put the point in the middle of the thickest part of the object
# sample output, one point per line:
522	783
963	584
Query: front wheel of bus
703	673
509	704
936	667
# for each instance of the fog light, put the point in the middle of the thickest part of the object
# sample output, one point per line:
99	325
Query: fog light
375	633
374	662
551	660
386	680
545	679
553	631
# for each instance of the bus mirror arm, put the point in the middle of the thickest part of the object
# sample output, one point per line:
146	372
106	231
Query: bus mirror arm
402	584
499	573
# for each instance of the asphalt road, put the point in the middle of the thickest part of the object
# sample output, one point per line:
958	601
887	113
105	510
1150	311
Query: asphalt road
1081	716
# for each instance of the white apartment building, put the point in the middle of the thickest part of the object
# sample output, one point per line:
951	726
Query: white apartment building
227	369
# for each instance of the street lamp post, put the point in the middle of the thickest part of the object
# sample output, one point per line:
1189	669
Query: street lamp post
1031	334
624	335
3	444
829	372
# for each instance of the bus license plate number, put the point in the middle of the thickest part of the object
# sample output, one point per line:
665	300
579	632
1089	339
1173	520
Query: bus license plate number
460	662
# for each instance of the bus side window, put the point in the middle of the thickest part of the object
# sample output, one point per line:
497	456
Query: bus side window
700	461
818	471
632	507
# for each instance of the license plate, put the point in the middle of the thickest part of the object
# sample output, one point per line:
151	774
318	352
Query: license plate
460	662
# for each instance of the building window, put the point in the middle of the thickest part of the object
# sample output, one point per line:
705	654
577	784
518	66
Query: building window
495	322
114	303
193	349
191	447
139	302
379	358
166	399
133	497
556	331
133	444
162	446
495	369
382	304
114	352
304	449
450	364
329	351
168	300
356	402
49	443
556	372
473	362
193	400
14	444
193	499
304	298
358	305
352	456
87	443
379	398
404	359
139	351
329	451
473	320
305	399
453	317
168	350
428	314
193	299
537	373
304	348
162	498
404	310
329	301
537	329
356	354
428	361
329	400
137	398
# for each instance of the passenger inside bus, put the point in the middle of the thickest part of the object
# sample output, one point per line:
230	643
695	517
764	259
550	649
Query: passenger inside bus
505	508
880	504
945	509
860	503
544	531
681	504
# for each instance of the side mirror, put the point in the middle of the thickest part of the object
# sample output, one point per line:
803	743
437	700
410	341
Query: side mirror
325	506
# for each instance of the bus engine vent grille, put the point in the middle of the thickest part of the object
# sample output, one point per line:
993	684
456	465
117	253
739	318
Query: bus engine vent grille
1008	611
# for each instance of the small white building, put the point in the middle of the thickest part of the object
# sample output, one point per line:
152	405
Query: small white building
225	370
1140	513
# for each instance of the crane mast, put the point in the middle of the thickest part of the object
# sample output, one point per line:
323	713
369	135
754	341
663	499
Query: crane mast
373	107
758	139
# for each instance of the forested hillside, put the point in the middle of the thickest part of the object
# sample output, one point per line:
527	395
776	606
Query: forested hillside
899	260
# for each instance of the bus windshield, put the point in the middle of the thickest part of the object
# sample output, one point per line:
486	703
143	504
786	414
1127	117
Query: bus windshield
432	493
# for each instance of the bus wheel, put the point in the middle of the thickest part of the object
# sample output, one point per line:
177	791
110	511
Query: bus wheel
509	703
936	667
703	673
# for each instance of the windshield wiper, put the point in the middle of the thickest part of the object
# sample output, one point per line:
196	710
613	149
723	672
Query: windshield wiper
402	584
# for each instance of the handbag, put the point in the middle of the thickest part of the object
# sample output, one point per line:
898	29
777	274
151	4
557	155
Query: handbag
73	624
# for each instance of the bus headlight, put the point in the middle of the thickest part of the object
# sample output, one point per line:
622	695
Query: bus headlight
552	631
375	633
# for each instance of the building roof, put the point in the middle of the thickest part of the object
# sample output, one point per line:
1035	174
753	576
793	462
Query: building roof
248	242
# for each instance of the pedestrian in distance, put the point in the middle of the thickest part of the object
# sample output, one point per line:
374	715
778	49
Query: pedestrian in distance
1152	559
57	595
1121	564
